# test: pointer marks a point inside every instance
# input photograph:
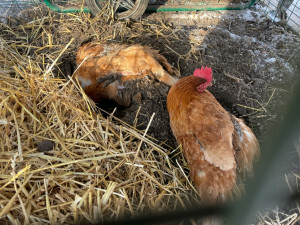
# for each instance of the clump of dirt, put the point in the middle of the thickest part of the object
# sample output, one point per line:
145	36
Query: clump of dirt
151	102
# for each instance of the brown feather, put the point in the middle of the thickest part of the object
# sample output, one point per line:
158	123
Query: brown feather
210	141
246	145
130	62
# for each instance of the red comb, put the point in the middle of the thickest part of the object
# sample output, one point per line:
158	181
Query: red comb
204	72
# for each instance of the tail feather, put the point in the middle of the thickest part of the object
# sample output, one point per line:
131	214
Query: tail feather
165	71
162	61
168	79
247	146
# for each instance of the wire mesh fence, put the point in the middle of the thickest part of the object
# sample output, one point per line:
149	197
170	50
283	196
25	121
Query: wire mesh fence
286	11
13	7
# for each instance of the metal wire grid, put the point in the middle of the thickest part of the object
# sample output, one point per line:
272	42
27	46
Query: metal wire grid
286	11
21	4
13	7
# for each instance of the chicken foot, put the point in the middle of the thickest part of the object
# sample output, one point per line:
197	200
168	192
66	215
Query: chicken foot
109	79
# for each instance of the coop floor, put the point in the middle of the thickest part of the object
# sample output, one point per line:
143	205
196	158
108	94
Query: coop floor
254	60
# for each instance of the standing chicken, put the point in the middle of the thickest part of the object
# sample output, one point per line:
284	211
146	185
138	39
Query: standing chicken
104	69
215	144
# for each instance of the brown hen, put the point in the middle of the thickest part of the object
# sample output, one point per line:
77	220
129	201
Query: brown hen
214	143
102	70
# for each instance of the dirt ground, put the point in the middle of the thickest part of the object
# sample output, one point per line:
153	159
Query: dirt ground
254	61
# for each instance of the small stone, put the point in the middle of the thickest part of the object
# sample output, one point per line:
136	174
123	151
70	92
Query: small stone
45	146
137	98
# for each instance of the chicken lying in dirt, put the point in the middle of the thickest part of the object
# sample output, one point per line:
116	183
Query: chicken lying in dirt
105	71
215	144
